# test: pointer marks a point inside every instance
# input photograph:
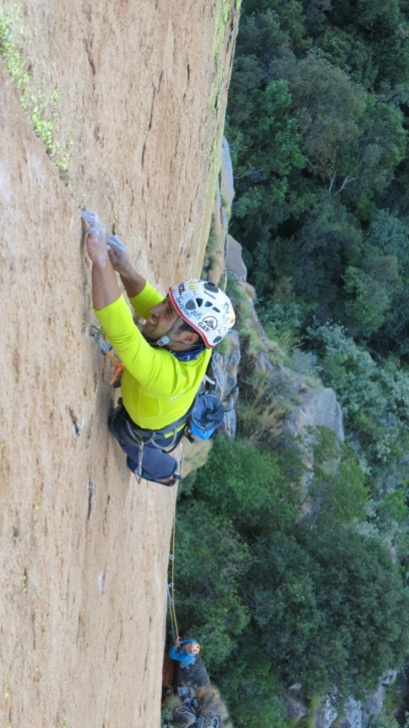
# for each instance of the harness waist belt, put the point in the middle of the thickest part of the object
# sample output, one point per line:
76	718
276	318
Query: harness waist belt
164	439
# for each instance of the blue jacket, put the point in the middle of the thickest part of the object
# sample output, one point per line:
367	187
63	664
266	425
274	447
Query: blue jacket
180	655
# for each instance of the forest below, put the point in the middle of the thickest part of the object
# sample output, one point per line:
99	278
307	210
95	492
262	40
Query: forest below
317	123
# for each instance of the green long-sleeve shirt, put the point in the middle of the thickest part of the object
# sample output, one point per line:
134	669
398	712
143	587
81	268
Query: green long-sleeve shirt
157	388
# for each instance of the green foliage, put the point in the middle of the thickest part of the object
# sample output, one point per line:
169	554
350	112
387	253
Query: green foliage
338	491
210	560
370	298
42	111
346	49
246	486
328	108
259	418
263	155
167	712
346	367
253	689
240	295
387	244
329	608
374	399
385	722
390	235
381	146
381	28
281	310
394	506
11	54
327	237
318	133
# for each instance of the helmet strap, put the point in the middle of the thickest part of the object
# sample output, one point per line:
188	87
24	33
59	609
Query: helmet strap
165	339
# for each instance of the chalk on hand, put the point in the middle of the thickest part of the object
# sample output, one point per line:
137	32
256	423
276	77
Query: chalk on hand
116	243
90	217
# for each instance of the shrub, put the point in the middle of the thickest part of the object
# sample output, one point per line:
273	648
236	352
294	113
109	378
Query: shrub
338	490
209	560
246	486
331	608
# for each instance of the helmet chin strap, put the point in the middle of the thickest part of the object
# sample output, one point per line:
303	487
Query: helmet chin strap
162	342
165	339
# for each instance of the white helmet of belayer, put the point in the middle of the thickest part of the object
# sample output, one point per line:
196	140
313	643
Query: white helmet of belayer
205	307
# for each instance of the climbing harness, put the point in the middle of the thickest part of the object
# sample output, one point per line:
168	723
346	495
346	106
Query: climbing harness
106	350
171	588
165	439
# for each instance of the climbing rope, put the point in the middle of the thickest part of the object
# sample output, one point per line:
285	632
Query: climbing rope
171	587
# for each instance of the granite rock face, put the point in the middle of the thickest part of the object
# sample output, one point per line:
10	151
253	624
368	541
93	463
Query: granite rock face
135	93
317	408
224	372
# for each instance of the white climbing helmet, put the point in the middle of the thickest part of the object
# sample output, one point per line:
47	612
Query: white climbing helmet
205	308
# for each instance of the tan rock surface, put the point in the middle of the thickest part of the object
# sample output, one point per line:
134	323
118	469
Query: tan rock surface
84	549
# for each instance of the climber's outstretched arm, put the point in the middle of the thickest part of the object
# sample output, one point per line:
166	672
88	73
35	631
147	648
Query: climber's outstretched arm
105	289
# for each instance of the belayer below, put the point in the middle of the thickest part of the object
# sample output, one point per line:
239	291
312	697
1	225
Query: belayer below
184	651
165	362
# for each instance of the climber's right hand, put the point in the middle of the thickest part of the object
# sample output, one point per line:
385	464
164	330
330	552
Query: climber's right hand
118	255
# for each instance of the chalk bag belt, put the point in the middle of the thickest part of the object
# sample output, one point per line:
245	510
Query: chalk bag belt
165	439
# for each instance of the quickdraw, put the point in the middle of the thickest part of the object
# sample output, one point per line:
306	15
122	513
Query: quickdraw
106	349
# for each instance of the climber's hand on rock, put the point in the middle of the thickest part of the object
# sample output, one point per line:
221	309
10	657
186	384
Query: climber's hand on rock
118	255
96	237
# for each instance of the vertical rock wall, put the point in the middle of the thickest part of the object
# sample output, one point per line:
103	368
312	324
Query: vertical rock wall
129	99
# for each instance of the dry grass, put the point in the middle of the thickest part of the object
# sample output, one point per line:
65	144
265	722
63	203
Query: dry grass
260	416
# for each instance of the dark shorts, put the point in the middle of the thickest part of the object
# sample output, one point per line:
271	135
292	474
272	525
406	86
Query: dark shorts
156	464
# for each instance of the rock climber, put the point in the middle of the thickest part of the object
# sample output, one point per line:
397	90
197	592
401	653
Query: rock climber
184	651
164	362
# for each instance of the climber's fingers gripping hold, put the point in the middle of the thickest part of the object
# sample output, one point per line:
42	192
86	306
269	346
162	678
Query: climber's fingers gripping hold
96	237
118	254
89	217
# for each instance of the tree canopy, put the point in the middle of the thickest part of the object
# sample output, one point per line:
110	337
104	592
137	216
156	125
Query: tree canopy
317	122
292	572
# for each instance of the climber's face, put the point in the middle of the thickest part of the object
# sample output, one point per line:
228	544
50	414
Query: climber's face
192	648
161	318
